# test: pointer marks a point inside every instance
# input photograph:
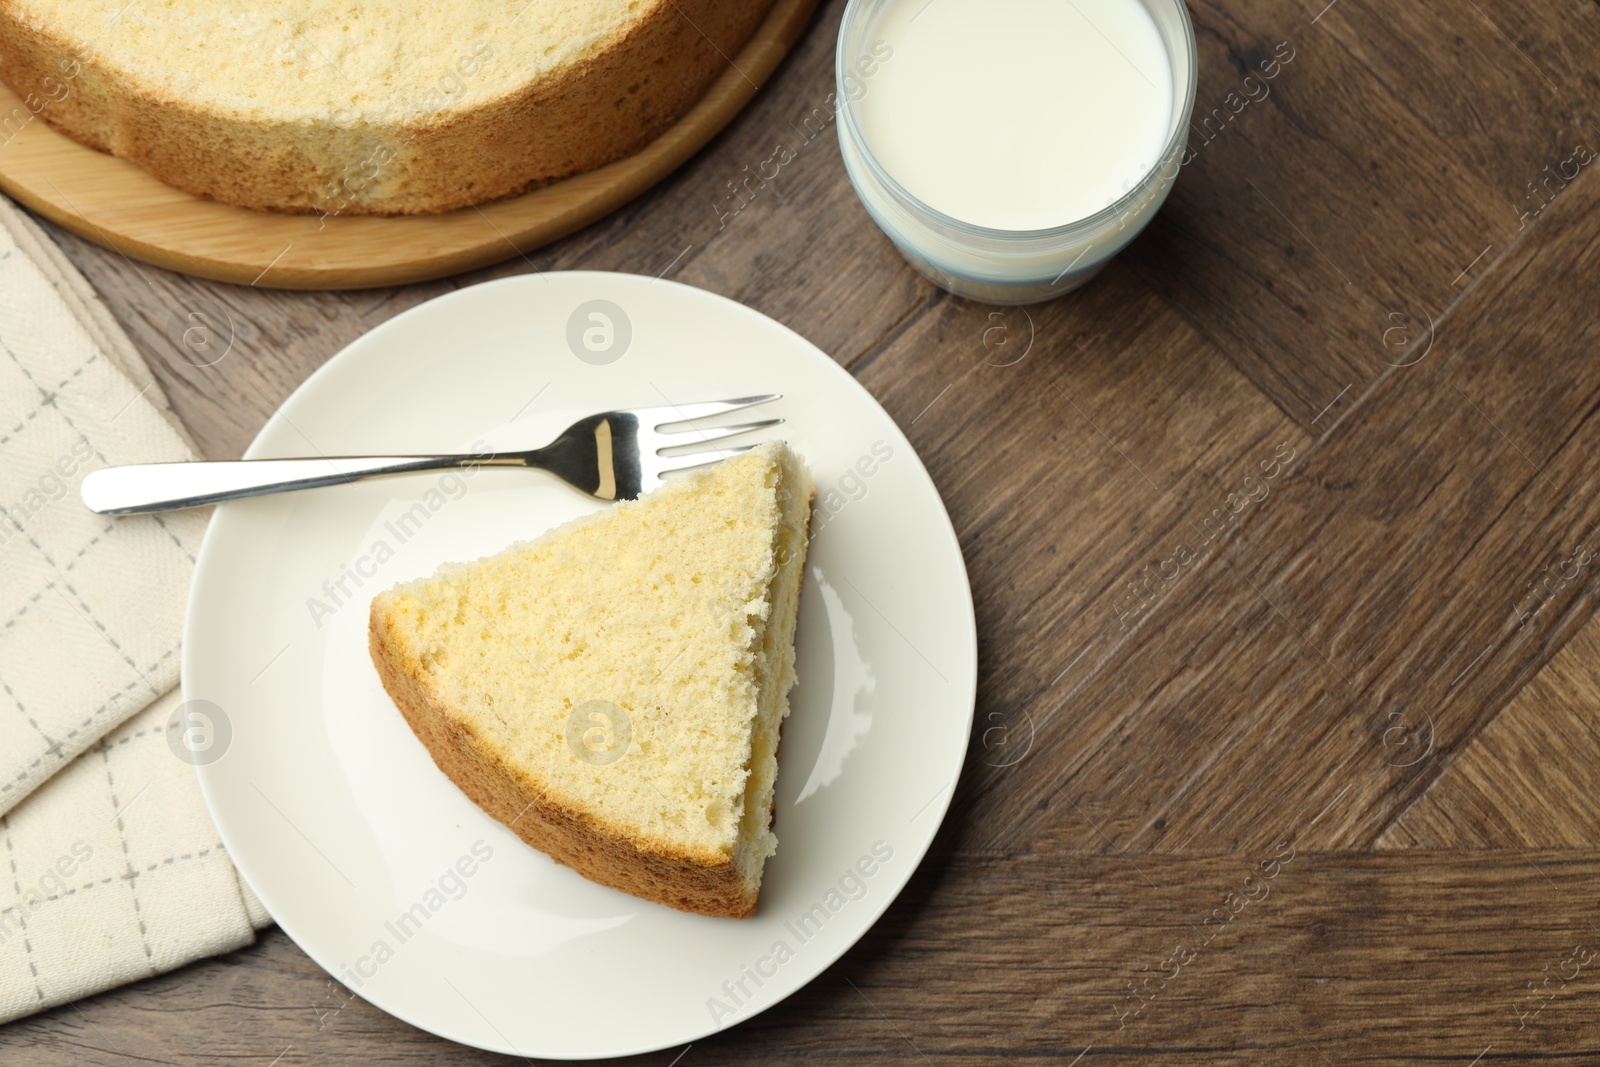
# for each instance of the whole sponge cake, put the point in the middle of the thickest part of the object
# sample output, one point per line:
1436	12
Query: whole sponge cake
613	691
367	106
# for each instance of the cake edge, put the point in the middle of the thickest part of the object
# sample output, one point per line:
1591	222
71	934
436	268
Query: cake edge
781	630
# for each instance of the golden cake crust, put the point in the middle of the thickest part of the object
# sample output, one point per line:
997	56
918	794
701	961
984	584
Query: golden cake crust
606	105
583	842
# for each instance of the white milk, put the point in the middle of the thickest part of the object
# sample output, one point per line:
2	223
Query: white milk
1017	114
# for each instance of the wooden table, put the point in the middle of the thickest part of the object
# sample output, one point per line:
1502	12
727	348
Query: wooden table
1281	535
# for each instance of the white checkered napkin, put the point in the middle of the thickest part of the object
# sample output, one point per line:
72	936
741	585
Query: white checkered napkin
91	608
92	891
91	613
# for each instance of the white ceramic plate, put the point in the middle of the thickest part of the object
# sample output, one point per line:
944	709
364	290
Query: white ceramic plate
335	813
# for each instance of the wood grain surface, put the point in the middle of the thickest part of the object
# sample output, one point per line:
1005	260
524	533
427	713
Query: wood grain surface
1282	536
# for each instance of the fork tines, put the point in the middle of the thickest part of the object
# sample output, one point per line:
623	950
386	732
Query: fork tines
679	421
673	414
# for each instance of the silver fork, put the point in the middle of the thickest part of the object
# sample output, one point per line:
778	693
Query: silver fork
615	455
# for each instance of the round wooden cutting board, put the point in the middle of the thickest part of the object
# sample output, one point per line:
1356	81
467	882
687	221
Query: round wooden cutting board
116	204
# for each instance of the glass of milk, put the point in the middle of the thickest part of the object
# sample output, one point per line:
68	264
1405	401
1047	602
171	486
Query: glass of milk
1011	147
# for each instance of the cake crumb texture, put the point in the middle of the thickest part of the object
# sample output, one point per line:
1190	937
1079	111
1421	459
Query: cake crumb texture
367	106
613	691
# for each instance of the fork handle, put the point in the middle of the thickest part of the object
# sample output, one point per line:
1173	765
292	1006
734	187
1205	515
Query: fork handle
143	487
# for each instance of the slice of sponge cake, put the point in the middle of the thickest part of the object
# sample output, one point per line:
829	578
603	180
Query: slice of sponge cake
613	691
